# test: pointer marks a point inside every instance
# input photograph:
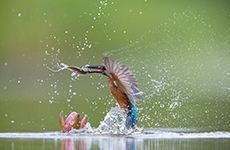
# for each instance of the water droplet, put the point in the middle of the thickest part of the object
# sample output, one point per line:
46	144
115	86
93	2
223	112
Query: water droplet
19	14
5	63
12	121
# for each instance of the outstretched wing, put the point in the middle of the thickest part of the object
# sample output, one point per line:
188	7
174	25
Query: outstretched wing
133	82
124	79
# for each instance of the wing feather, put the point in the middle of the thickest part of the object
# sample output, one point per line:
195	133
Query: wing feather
124	78
133	82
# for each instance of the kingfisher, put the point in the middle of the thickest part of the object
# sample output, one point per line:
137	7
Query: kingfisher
122	84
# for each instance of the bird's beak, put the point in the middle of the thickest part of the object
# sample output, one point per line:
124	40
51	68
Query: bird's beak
100	68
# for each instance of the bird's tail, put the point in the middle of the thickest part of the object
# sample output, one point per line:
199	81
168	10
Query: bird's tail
131	119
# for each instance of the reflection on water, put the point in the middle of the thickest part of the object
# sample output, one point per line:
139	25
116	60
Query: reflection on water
70	144
101	143
116	143
136	141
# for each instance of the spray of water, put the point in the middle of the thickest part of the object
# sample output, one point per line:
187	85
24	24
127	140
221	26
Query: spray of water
183	72
182	66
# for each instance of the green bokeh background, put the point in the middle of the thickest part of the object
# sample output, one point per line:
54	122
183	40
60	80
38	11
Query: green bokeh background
30	29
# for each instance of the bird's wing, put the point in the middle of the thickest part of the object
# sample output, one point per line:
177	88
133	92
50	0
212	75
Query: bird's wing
133	82
114	70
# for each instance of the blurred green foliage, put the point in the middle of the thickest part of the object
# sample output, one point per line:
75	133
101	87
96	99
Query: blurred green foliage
39	33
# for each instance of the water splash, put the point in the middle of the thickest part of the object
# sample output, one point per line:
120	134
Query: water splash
183	72
182	67
113	123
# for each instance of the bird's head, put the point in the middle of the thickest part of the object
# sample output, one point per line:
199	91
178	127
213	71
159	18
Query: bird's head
99	69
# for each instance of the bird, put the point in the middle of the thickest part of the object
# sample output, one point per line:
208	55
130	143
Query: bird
122	83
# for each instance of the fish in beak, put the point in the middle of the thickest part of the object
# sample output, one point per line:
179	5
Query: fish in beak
73	121
81	70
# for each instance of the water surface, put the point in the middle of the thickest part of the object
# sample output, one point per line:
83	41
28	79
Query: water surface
157	139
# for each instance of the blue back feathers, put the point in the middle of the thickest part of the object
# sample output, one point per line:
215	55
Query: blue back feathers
131	119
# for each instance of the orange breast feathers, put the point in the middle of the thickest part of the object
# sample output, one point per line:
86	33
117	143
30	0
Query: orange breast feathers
120	96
